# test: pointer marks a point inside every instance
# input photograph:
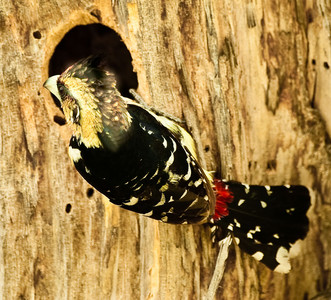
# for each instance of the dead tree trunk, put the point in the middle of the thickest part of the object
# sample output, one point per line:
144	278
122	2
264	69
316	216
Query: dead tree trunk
251	80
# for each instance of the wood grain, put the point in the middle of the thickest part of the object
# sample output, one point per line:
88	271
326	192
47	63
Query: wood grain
252	82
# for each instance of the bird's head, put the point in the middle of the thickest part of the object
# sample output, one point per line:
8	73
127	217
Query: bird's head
92	105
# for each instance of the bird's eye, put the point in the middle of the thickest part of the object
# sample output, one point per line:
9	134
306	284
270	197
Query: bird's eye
62	90
75	115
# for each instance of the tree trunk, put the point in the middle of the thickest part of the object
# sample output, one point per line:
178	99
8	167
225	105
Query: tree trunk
251	80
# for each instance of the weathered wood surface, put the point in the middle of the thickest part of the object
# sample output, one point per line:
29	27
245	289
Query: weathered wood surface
252	81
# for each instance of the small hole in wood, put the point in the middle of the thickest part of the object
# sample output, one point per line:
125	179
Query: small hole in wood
89	192
326	65
68	208
309	15
271	164
59	120
36	34
313	61
207	148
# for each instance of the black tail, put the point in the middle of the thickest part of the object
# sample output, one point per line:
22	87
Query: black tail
265	220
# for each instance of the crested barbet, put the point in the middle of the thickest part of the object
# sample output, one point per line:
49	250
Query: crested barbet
147	163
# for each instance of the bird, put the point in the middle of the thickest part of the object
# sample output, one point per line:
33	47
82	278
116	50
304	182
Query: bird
146	162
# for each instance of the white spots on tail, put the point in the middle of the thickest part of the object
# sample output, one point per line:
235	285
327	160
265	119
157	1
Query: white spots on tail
258	255
287	186
132	201
75	154
276	236
249	235
246	187
171	199
253	231
263	204
237	240
282	257
237	223
268	189
230	227
241	201
290	210
258	228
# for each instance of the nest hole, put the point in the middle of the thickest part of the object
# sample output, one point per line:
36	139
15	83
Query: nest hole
95	39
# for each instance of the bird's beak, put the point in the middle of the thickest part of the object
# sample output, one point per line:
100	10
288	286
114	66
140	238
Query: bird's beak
51	85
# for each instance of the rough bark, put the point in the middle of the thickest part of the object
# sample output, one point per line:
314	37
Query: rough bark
252	82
